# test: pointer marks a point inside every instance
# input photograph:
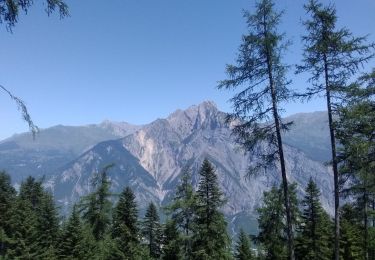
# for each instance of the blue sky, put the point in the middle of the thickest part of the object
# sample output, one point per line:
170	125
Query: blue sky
136	61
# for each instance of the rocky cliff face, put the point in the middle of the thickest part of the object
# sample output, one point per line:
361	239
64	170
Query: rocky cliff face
150	161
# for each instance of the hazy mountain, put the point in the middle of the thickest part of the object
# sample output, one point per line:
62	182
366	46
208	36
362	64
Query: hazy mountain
54	147
150	161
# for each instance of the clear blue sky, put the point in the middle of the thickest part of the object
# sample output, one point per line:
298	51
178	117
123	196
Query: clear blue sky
136	61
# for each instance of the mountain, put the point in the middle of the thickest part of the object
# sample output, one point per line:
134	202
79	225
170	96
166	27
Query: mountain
150	160
54	147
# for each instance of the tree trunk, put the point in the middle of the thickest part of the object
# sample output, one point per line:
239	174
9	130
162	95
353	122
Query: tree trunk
280	152
334	161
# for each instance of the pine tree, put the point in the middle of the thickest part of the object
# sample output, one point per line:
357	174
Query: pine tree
96	206
24	232
210	239
351	242
152	231
182	210
355	129
47	226
314	237
332	56
125	230
7	197
243	248
272	221
172	242
271	225
72	239
260	76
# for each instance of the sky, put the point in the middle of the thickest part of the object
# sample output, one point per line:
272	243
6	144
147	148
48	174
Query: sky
136	61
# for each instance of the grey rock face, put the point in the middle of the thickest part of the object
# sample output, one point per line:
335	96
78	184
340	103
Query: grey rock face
150	161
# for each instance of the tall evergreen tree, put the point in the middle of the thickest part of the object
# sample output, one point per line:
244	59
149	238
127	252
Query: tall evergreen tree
152	231
96	206
172	243
260	76
72	239
24	232
315	230
7	197
272	221
210	239
355	131
47	226
182	210
271	225
351	242
332	56
243	247
125	230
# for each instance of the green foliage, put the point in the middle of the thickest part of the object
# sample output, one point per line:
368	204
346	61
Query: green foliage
10	9
182	210
24	235
72	238
243	247
351	240
355	131
96	206
332	56
260	76
172	243
271	225
314	239
152	231
272	221
125	230
210	239
7	196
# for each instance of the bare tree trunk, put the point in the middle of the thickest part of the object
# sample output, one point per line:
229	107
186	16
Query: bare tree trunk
334	162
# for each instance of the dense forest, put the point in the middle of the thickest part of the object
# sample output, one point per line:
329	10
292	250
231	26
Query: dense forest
103	225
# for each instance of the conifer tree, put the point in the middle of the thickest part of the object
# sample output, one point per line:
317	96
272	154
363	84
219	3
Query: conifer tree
47	226
272	221
172	242
182	210
260	77
125	230
210	239
332	56
24	233
243	247
314	240
7	197
351	242
271	226
96	206
71	242
355	132
152	231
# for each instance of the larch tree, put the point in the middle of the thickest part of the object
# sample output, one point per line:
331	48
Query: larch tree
332	56
259	75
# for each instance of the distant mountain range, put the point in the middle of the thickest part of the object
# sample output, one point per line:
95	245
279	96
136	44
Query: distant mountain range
149	158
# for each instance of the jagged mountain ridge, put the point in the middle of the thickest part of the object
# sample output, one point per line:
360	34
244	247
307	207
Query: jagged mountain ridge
54	147
159	150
